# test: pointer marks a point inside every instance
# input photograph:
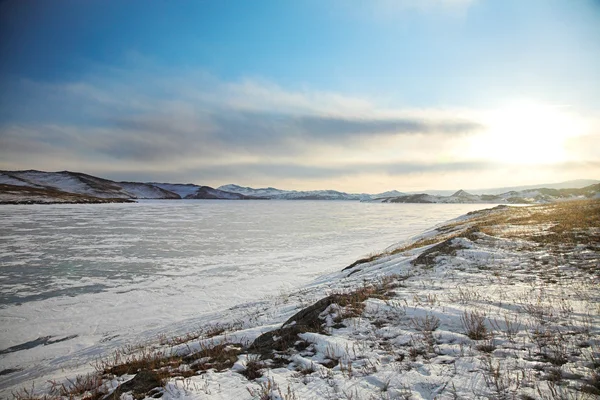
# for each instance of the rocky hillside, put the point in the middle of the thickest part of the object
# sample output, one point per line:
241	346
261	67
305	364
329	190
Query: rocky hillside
73	187
191	191
14	194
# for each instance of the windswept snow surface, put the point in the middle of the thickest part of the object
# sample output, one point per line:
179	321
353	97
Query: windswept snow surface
80	281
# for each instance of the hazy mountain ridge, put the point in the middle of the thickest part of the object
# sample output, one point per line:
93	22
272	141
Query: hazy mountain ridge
572	184
192	191
33	186
280	194
530	196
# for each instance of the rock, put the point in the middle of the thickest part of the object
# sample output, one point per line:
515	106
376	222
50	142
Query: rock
142	383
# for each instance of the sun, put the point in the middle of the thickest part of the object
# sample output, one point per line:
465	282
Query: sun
526	133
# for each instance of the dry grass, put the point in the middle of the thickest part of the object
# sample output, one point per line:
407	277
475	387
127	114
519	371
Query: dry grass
89	386
565	223
121	363
474	324
203	332
353	302
570	222
254	366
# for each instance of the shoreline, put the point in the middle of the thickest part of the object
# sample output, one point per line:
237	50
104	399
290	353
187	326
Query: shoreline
91	201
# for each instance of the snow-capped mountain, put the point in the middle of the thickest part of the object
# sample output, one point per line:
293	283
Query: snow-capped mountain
279	194
181	189
530	196
83	184
269	192
273	193
191	191
573	184
73	187
69	182
65	186
391	193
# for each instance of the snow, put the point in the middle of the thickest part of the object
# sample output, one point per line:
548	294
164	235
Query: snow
382	353
391	193
69	182
183	190
190	191
80	184
273	193
247	191
6	179
146	191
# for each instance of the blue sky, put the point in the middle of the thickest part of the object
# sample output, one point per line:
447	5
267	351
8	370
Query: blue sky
351	95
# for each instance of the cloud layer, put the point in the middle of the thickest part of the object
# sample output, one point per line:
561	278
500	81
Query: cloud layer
190	126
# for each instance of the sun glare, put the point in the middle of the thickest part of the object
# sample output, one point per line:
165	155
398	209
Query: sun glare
526	134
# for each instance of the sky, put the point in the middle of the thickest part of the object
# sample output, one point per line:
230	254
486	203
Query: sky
352	95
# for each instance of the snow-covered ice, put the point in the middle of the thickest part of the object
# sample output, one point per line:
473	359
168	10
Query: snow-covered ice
106	276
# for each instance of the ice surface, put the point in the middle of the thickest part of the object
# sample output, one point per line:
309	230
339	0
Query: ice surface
116	274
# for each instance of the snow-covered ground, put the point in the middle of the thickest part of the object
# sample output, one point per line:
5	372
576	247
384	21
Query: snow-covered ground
117	274
500	304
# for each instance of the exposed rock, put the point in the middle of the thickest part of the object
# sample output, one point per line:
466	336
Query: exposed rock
306	320
446	248
141	384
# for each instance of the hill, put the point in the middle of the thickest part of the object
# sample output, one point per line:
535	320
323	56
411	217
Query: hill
33	186
529	196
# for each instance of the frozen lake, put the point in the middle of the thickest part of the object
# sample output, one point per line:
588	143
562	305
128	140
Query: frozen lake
114	274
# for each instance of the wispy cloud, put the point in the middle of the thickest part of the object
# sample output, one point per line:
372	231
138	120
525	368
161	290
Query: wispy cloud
150	117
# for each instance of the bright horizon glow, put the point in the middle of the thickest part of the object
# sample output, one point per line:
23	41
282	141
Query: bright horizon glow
527	133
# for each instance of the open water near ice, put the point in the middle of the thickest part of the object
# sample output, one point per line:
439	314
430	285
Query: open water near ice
103	276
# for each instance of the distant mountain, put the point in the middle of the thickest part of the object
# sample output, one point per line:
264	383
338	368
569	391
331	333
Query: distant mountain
20	194
279	194
573	184
33	186
73	187
69	182
465	196
529	196
273	193
248	191
191	191
181	189
391	193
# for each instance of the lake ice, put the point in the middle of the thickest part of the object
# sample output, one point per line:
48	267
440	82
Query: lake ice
117	274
